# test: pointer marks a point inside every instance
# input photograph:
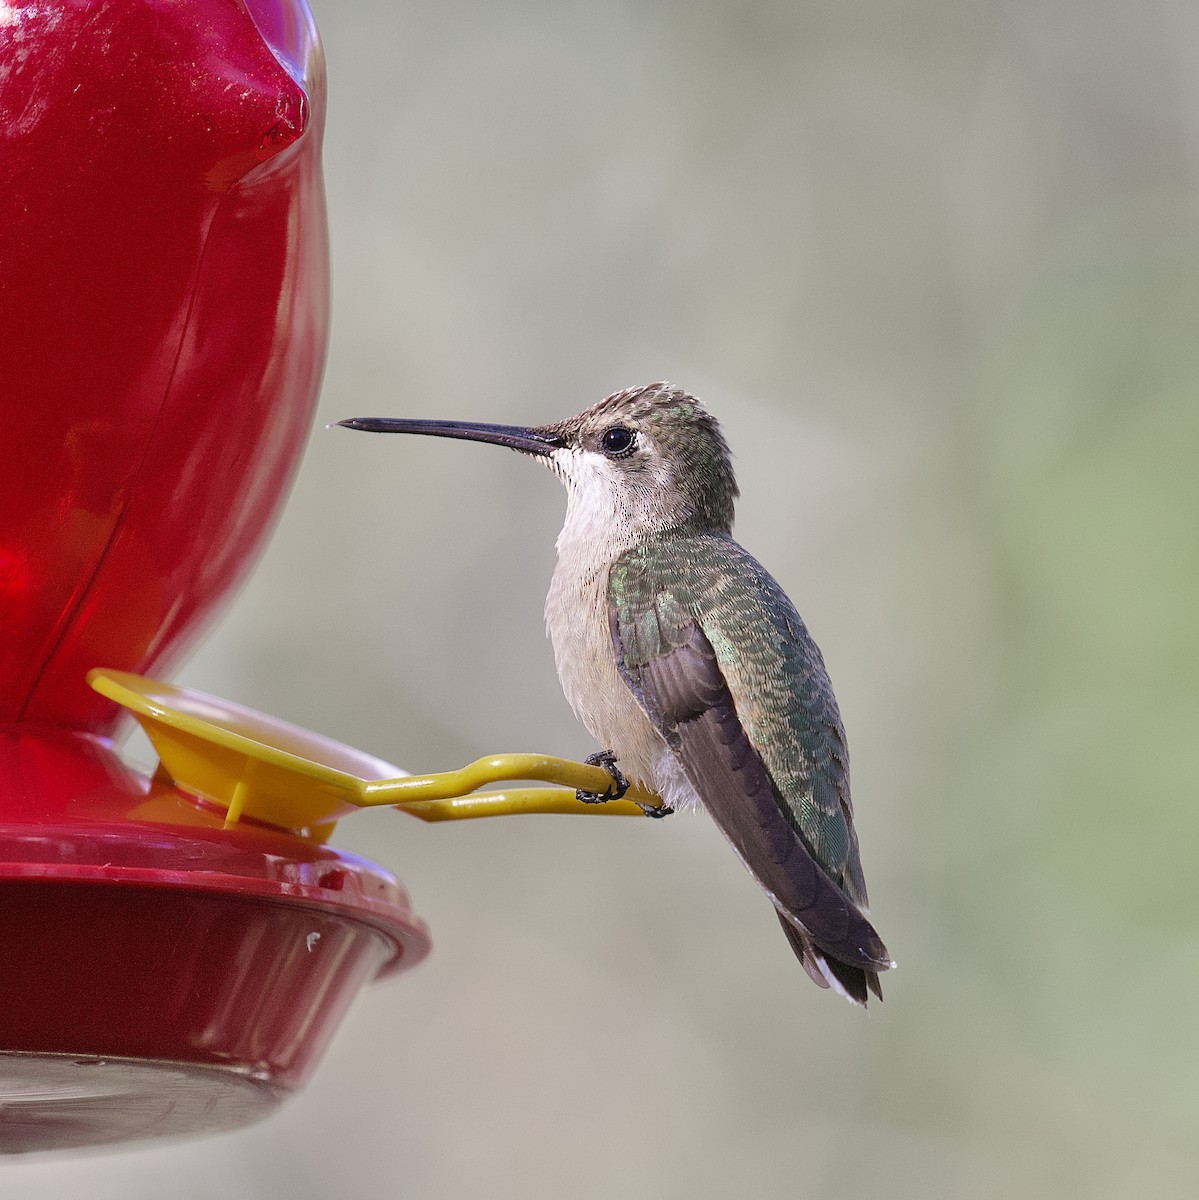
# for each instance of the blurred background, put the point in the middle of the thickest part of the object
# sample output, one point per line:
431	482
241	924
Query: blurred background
935	266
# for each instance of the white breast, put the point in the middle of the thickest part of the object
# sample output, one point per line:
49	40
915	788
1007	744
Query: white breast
602	521
576	617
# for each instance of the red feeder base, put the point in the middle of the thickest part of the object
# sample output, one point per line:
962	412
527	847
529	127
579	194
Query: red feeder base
166	978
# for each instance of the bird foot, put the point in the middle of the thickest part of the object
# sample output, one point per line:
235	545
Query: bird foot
620	785
657	811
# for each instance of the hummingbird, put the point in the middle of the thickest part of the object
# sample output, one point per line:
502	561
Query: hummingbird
684	658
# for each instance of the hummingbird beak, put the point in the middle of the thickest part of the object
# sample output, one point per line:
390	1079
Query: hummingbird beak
516	437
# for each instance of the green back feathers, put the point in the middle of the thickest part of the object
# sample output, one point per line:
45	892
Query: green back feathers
772	667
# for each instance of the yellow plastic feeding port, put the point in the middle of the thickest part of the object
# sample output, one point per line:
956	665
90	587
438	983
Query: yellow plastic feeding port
250	765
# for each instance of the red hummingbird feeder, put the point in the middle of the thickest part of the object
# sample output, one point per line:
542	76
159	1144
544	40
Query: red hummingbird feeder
163	324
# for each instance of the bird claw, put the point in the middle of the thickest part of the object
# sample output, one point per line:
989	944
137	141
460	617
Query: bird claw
620	785
657	811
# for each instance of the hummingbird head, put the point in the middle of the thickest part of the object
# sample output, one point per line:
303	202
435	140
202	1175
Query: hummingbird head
647	459
640	462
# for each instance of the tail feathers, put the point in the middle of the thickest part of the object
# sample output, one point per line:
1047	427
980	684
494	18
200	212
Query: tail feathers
854	983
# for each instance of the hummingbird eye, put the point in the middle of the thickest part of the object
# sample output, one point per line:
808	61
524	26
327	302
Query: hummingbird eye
617	441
